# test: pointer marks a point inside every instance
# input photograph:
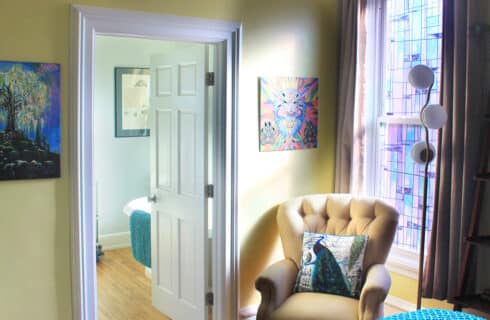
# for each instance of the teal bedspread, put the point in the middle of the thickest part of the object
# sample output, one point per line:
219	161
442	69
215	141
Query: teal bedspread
140	229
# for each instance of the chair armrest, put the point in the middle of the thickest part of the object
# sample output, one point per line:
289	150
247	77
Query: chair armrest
275	285
374	292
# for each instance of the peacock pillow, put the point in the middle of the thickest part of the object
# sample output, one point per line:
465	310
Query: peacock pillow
331	264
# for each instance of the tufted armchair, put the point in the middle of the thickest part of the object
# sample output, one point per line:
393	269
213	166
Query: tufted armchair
339	214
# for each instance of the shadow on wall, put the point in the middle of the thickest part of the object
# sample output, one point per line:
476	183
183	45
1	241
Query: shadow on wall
261	247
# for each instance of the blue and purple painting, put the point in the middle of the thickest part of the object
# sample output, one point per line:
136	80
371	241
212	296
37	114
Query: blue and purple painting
29	120
288	113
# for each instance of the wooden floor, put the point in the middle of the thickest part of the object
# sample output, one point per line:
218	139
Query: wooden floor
124	292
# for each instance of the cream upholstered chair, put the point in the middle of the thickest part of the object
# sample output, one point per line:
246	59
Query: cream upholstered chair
339	214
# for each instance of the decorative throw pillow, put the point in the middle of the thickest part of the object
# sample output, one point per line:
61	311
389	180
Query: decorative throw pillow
331	264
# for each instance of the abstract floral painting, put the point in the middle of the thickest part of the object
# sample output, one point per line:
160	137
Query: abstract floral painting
288	113
29	120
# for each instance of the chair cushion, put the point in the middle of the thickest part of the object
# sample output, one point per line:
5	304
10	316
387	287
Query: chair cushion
331	264
315	306
339	214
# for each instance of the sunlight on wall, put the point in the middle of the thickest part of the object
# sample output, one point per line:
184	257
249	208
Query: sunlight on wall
278	54
298	40
280	37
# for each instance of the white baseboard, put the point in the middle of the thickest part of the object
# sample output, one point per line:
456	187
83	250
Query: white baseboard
400	305
115	240
148	272
403	262
248	313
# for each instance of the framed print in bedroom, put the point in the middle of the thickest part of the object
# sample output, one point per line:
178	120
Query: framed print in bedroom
29	120
132	101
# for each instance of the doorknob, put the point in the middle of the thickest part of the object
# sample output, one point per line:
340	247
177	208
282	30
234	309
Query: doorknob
152	198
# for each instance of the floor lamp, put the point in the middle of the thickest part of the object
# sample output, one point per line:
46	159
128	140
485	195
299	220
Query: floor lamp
432	116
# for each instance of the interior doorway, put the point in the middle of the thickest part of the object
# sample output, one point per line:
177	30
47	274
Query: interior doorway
88	22
153	129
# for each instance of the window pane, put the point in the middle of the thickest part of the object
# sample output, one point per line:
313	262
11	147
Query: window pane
413	36
401	181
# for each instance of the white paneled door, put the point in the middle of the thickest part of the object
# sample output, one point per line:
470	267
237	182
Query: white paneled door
178	165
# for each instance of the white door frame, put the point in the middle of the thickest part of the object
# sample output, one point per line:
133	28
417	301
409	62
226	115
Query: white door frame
87	22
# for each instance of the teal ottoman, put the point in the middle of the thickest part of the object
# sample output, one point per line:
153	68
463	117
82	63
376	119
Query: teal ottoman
433	314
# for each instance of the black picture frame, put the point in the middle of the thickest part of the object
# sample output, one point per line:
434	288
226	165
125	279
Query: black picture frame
130	120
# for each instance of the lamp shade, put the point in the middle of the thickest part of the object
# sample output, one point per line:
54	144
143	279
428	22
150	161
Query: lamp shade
418	152
421	76
434	116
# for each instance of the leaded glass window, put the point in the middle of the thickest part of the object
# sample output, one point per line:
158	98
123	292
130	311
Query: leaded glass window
412	36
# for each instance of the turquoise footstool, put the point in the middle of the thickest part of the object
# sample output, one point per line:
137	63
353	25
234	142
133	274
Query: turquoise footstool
433	314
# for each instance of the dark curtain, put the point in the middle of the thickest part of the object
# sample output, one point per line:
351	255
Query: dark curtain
463	94
349	12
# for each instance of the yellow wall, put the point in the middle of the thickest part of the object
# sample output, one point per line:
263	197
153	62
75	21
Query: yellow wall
280	37
406	288
280	46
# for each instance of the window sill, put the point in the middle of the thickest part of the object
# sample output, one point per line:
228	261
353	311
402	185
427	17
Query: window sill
403	262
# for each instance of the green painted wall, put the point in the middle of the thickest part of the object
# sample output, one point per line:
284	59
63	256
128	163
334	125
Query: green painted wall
280	37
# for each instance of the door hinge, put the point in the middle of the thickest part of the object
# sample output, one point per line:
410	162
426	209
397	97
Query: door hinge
210	191
210	78
209	299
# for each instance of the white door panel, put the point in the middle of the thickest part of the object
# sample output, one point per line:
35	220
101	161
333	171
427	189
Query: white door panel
164	81
164	156
179	223
188	176
187	79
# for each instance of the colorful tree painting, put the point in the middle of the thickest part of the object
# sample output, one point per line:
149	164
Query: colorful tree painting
288	113
29	120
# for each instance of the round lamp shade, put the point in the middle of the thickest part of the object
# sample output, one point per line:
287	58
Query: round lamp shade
434	116
421	76
418	152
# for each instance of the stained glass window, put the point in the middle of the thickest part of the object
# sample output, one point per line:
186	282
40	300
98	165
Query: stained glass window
413	36
402	181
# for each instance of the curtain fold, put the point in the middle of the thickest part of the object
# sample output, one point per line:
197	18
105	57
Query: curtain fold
463	96
349	11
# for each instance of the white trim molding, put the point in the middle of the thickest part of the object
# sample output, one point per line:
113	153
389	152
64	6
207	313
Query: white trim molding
411	121
86	23
399	304
249	312
403	262
117	240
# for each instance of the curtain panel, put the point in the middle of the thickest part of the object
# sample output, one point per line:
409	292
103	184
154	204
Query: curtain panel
464	96
349	13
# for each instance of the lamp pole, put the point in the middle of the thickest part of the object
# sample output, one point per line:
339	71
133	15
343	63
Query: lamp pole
428	158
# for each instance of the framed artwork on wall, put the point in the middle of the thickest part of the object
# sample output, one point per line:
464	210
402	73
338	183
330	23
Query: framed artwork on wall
132	88
29	120
288	113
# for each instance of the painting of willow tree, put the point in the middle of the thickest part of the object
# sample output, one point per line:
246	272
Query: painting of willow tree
29	120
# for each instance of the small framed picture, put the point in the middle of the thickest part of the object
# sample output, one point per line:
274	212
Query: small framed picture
132	102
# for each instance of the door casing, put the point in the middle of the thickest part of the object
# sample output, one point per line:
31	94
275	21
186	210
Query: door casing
86	23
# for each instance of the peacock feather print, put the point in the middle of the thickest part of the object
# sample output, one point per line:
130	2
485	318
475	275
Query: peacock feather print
331	264
357	249
327	275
